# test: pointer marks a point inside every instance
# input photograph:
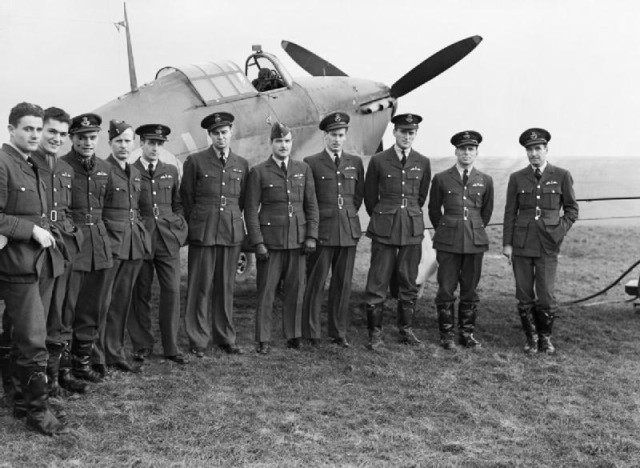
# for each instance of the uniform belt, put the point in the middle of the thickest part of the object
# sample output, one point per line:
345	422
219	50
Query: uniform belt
57	215
403	202
222	201
156	210
88	219
536	212
114	214
41	220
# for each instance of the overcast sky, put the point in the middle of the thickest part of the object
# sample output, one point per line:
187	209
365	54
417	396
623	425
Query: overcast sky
571	66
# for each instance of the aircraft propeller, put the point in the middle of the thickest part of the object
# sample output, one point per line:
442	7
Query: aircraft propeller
425	71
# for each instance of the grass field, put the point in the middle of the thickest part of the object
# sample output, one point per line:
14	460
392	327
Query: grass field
404	407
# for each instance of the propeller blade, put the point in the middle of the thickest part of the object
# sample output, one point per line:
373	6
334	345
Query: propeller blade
434	65
316	66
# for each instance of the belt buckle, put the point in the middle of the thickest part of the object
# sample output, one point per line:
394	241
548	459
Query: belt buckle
404	203
223	200
290	210
340	201
53	216
132	215
466	212
88	219
538	212
155	210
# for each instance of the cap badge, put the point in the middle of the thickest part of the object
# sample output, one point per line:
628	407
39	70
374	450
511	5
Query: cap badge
534	136
217	118
85	121
159	131
338	118
466	136
409	118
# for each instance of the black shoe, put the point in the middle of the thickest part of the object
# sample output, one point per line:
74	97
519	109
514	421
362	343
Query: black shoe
469	341
447	343
100	369
263	347
230	348
409	338
293	343
141	354
178	359
199	353
315	342
341	342
125	367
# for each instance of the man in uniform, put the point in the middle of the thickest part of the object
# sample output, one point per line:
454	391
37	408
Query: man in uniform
282	219
339	185
90	283
57	176
466	196
396	187
161	212
213	195
533	233
129	245
30	254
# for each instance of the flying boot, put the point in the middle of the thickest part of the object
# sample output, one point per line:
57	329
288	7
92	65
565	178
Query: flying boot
529	326
406	315
81	356
445	325
544	319
466	324
39	416
374	324
65	376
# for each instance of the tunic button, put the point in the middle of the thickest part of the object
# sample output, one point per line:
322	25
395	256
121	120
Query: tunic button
206	175
153	181
88	193
55	189
154	193
337	172
223	183
288	191
538	197
464	198
403	182
403	171
538	186
22	189
221	209
55	203
339	183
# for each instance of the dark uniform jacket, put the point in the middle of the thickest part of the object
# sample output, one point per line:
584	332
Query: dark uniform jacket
213	198
532	221
394	197
160	205
281	211
339	192
129	238
58	184
23	204
87	199
467	210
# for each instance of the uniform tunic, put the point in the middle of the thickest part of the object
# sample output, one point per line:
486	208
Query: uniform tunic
213	197
129	244
91	279
23	205
161	212
459	214
394	196
534	228
339	192
281	212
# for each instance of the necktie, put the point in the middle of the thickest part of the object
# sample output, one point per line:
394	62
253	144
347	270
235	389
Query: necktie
87	163
222	158
538	174
283	166
403	161
32	163
465	177
336	159
151	169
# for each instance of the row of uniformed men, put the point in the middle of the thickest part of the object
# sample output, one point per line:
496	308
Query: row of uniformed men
289	207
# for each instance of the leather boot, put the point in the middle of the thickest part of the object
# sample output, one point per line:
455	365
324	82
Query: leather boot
65	377
530	330
39	416
466	325
544	319
81	356
374	324
5	369
53	368
445	325
406	314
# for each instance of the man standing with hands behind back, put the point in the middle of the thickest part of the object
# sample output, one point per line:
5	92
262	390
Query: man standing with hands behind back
466	196
533	233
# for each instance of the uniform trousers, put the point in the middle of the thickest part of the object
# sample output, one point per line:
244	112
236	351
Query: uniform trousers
288	265
340	260
87	303
454	269
535	274
25	312
168	269
212	277
109	348
53	292
385	259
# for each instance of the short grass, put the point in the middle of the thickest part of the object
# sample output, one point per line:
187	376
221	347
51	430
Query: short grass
406	406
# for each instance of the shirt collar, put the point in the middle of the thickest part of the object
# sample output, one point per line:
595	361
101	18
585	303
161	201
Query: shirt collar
461	169
400	150
332	154
542	168
217	152
20	152
145	163
278	162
